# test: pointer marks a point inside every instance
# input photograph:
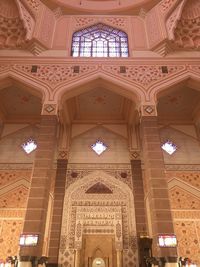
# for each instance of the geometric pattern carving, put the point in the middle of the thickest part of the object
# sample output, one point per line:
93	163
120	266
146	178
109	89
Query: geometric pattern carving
14	199
10	231
145	75
129	258
55	74
180	199
99	188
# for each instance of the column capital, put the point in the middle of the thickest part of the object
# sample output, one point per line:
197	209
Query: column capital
63	154
135	155
50	109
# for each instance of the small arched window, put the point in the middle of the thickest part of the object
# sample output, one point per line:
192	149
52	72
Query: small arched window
100	41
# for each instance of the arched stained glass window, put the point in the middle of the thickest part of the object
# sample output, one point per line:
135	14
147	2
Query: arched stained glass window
100	41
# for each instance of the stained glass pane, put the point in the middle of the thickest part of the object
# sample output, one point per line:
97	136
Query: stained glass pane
100	41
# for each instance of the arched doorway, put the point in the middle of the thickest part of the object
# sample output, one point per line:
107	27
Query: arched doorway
98	222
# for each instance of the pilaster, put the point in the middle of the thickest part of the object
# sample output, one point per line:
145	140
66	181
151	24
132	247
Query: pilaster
59	193
36	212
157	198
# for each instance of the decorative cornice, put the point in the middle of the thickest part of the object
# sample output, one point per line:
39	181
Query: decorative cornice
182	167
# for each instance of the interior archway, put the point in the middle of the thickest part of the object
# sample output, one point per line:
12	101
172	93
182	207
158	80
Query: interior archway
93	222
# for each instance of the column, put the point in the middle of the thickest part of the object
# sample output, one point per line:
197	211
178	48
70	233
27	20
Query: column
36	213
119	258
77	257
157	190
59	193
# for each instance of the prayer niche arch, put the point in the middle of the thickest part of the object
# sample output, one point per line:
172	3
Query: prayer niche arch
100	40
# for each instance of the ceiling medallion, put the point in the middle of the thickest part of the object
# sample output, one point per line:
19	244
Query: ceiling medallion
99	147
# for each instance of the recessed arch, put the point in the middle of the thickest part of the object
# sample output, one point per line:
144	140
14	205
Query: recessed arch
193	80
132	91
26	83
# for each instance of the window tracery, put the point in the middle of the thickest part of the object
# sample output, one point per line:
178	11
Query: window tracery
100	41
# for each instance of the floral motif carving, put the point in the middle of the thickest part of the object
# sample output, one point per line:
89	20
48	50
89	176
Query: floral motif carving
10	176
146	74
55	74
180	199
15	199
187	233
10	231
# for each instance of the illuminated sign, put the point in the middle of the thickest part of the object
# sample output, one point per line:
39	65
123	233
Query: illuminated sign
28	240
167	241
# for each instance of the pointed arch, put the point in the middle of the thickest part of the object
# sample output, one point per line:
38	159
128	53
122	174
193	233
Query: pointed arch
99	40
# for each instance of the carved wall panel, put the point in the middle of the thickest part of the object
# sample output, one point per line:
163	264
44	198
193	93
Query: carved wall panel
10	176
10	231
192	178
180	199
188	239
121	172
90	212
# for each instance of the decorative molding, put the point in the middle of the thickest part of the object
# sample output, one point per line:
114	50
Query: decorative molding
16	166
182	167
